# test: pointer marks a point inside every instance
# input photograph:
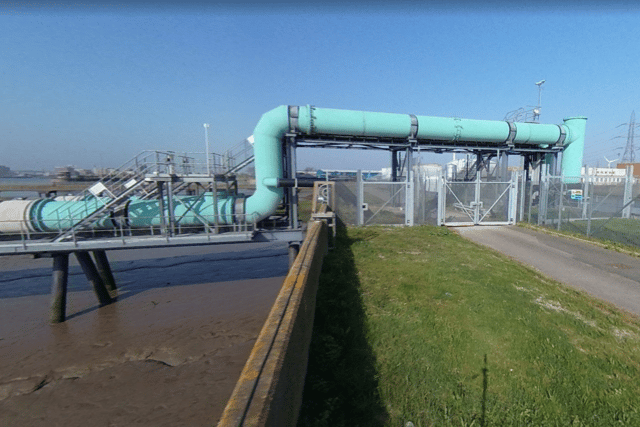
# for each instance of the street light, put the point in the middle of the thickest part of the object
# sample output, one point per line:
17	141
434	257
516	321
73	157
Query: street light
536	111
206	143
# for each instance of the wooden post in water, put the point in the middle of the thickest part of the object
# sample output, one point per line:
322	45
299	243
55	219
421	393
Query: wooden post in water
93	276
294	248
104	269
58	309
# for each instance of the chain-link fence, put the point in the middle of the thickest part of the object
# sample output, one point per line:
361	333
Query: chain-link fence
380	201
585	205
588	205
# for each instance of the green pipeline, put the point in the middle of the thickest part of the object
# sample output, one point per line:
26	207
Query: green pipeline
269	135
47	215
309	120
314	121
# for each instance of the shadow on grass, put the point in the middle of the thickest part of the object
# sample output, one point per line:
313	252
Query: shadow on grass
341	386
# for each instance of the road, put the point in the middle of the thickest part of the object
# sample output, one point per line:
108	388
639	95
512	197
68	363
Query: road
606	274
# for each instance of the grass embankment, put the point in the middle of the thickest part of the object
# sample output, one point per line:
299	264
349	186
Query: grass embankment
418	324
626	237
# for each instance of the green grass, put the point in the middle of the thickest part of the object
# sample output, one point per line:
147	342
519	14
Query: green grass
417	324
619	234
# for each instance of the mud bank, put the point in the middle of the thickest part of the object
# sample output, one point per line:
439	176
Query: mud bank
168	352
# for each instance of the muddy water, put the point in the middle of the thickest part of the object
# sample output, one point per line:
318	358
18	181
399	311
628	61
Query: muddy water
168	352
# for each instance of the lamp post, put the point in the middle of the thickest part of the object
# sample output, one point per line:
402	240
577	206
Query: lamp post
536	111
206	142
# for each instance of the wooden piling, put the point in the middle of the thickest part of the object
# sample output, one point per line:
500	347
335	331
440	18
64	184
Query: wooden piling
104	269
58	308
294	248
94	278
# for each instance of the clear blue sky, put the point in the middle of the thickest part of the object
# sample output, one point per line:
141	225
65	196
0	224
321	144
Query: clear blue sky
94	85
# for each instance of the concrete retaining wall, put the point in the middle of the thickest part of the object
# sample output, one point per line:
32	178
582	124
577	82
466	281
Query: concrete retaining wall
269	391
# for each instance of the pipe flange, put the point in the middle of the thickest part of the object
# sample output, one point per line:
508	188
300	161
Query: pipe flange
238	210
513	130
312	118
563	136
294	113
414	127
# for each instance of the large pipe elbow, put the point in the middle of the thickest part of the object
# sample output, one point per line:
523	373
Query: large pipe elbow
267	147
573	153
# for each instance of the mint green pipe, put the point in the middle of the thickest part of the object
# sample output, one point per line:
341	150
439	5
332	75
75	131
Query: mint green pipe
187	211
357	123
451	130
573	152
46	215
267	149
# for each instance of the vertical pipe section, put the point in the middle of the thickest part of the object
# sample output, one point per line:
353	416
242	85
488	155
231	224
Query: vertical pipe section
58	307
574	149
267	147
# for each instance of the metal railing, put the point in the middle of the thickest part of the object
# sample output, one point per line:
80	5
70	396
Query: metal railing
120	230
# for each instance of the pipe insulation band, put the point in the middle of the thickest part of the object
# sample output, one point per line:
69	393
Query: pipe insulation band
14	216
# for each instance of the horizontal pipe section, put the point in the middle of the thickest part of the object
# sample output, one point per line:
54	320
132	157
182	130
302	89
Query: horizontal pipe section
187	210
47	215
325	121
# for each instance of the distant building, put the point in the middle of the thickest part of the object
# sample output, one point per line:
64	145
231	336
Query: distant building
69	173
635	166
5	172
605	176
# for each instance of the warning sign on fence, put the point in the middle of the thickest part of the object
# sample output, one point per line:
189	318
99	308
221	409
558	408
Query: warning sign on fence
576	194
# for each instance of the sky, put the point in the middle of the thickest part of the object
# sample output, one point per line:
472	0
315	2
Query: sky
93	84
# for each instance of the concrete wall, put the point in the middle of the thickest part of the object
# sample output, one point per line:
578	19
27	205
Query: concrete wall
269	391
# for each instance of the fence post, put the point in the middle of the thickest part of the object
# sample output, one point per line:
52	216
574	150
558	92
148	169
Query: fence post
441	199
523	188
544	196
586	200
590	208
513	198
408	211
476	211
561	201
359	198
628	192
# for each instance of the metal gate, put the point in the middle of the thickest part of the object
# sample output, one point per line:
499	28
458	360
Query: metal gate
478	202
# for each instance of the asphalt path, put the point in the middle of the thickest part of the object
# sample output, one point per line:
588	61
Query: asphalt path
606	274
